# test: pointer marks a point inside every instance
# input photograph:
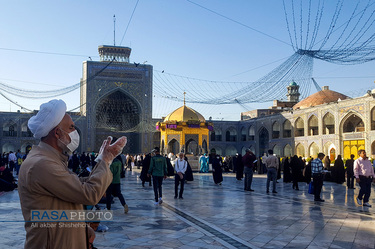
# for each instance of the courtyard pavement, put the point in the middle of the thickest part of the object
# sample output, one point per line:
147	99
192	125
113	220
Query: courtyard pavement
213	216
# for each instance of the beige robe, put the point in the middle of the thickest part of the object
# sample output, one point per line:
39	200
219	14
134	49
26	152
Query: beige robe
45	183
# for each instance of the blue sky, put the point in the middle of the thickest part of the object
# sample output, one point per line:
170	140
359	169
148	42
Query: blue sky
172	35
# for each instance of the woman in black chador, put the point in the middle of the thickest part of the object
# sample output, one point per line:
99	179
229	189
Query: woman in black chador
240	168
217	172
339	170
145	167
189	172
286	171
295	165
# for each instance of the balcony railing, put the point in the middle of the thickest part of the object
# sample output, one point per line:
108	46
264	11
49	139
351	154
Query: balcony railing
9	134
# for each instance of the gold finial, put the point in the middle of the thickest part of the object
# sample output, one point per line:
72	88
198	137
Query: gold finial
184	98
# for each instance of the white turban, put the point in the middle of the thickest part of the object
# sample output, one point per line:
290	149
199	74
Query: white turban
48	117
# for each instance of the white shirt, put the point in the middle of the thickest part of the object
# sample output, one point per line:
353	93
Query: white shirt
180	165
12	157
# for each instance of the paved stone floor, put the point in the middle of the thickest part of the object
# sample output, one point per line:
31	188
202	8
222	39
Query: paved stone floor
212	216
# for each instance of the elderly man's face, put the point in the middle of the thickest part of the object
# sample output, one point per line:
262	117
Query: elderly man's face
66	126
181	156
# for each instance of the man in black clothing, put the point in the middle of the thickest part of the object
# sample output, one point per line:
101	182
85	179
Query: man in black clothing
349	172
248	163
216	162
7	182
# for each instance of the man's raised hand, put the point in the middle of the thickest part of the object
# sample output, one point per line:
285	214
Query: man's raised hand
109	151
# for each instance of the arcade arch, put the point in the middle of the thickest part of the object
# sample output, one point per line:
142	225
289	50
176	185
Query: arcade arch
287	131
275	130
353	124
328	124
173	146
313	150
299	128
192	147
230	151
288	150
277	150
10	129
243	134
313	126
300	150
263	140
251	133
231	135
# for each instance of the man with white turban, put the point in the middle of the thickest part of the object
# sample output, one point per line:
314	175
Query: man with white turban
45	183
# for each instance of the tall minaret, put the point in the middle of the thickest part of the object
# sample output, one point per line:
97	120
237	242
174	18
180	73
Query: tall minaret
293	92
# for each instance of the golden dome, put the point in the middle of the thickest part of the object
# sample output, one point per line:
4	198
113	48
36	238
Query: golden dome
184	114
322	97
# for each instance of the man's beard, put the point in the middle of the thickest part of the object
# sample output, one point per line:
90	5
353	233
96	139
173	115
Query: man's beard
62	145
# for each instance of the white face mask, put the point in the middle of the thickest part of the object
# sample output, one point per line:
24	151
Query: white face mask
74	140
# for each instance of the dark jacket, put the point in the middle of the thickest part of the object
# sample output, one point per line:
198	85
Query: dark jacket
158	166
248	160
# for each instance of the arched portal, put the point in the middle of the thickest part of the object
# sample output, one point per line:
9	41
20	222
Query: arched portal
288	150
173	146
263	141
118	114
275	130
192	147
328	124
231	135
216	135
332	154
287	129
277	150
10	129
230	151
313	126
25	131
314	150
243	134
353	124
300	150
8	147
204	146
299	128
251	133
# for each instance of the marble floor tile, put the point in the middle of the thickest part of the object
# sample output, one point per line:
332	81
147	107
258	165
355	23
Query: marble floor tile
212	216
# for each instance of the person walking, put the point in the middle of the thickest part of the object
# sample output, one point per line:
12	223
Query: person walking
272	164
349	164
180	167
115	187
217	172
248	163
144	171
364	176
317	173
203	162
158	170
